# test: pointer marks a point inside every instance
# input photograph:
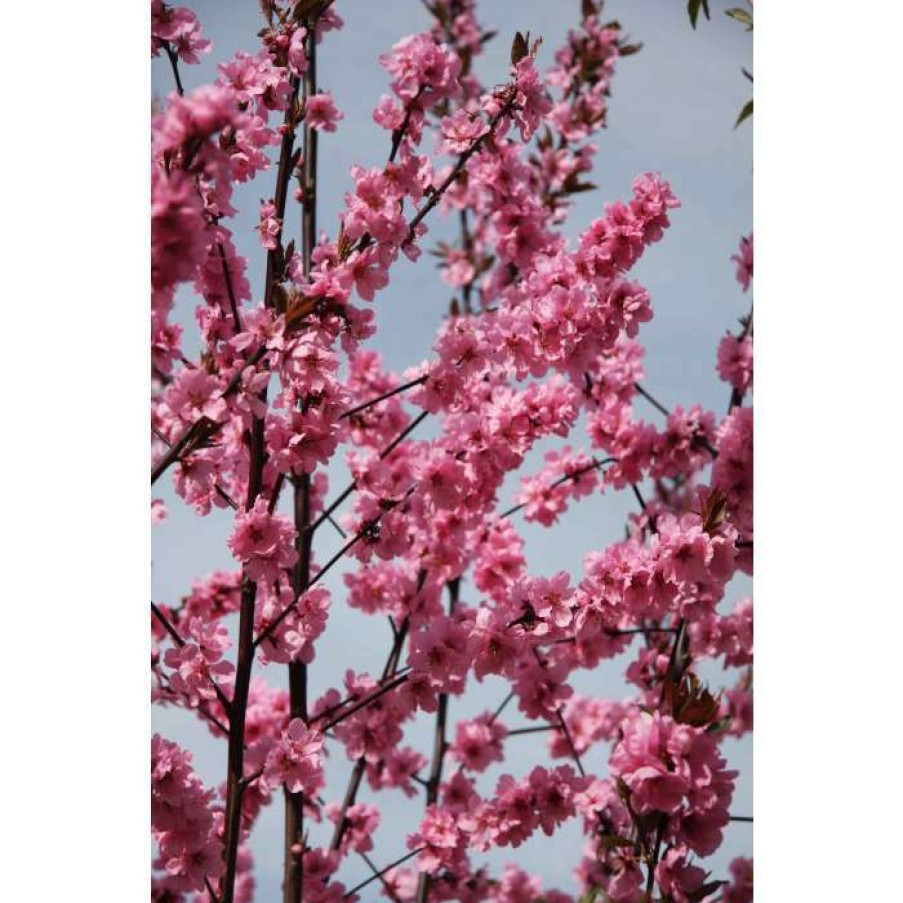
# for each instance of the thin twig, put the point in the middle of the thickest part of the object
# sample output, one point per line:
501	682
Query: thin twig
382	871
564	479
652	400
327	512
571	744
368	527
177	639
538	729
375	401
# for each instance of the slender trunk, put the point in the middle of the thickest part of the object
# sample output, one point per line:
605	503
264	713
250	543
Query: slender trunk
440	745
293	883
243	666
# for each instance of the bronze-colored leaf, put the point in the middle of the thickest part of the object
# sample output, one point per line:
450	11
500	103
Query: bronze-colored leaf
519	48
714	511
691	702
344	245
297	308
280	298
588	9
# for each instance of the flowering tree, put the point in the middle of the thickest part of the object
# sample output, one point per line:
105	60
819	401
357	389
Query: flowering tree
540	340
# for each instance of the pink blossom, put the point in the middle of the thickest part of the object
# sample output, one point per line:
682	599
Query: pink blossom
744	260
735	362
460	131
263	543
182	821
321	112
296	760
270	227
297	57
178	27
478	743
740	889
438	835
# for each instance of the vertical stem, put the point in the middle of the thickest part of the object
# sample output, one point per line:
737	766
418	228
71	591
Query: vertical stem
354	785
309	205
236	736
293	873
467	243
440	745
243	666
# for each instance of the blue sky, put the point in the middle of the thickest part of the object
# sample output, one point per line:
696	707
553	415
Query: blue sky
672	110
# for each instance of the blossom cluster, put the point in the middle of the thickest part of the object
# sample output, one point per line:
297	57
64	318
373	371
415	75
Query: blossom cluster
539	357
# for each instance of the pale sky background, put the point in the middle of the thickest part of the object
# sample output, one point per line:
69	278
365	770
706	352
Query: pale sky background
672	110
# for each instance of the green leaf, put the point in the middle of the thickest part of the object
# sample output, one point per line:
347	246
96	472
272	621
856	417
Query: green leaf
693	8
745	113
741	15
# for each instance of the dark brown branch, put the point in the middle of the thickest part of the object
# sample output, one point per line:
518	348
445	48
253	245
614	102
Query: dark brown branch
175	450
699	441
202	709
440	746
501	708
396	681
383	871
375	401
564	479
236	319
158	614
399	133
213	895
276	256
192	431
174	62
327	512
368	527
177	639
216	486
653	401
293	872
354	784
571	744
539	729
436	196
234	785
